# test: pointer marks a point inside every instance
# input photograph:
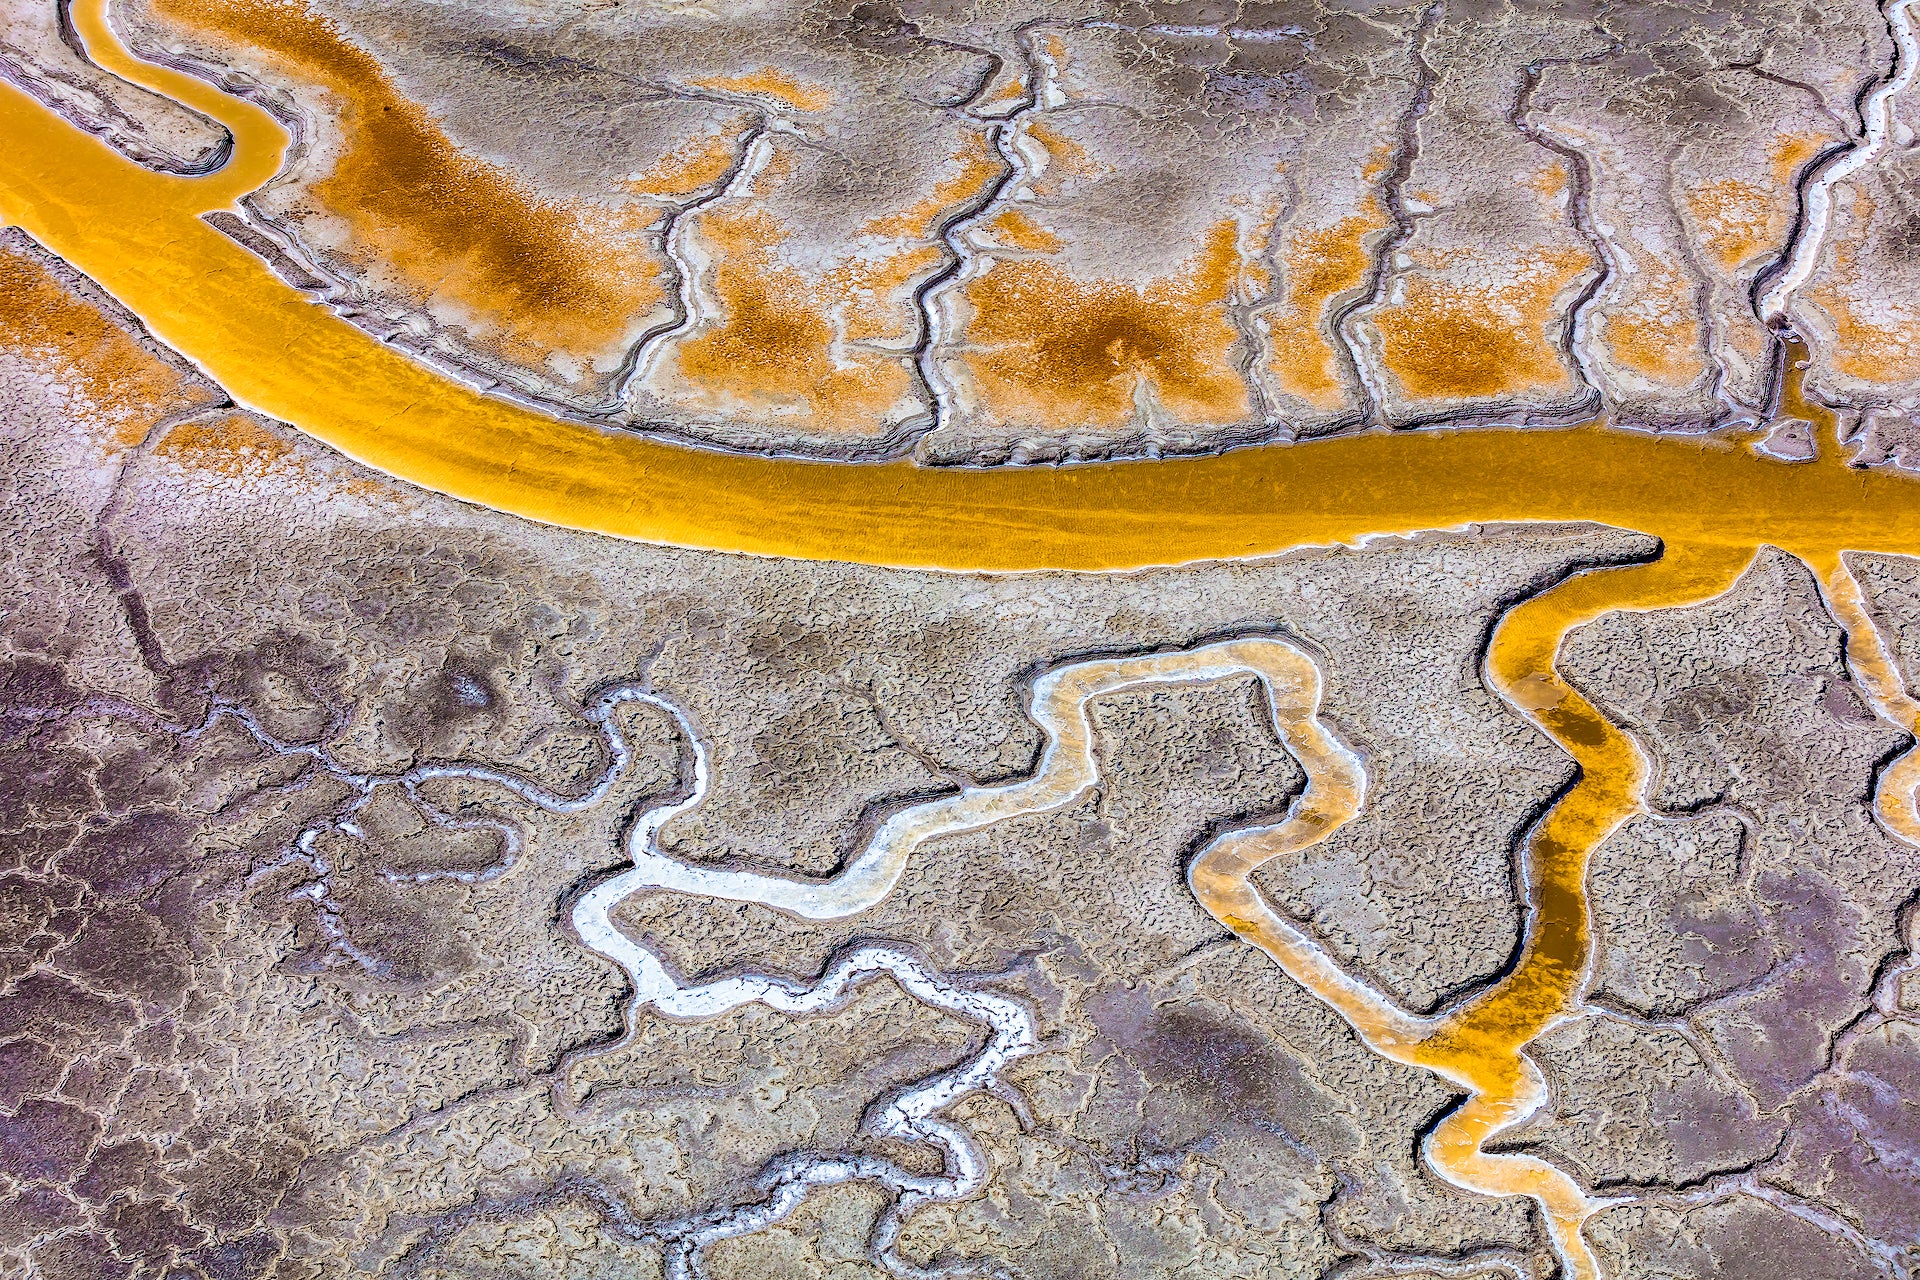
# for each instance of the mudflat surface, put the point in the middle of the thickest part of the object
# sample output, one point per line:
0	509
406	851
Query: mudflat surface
394	886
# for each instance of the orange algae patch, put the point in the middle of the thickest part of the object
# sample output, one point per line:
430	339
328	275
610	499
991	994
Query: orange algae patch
1056	49
1064	157
231	445
1016	230
1061	150
1008	92
693	167
1551	182
775	346
807	340
1656	333
1321	264
1875	333
1662	348
1884	350
1741	220
536	275
129	390
1879	353
1046	347
1454	340
865	296
771	82
979	165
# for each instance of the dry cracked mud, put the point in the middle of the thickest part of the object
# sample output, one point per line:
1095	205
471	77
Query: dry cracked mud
394	886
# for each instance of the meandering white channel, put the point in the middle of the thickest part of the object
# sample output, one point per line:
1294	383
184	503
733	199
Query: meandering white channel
1066	771
1877	122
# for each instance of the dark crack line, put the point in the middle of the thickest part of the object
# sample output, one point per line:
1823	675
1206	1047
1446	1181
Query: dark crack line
1811	174
1703	290
1579	207
641	350
1392	195
1364	1260
116	568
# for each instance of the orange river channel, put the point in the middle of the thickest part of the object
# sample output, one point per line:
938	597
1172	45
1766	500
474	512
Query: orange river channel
139	234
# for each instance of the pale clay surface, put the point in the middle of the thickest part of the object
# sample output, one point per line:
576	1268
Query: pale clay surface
391	887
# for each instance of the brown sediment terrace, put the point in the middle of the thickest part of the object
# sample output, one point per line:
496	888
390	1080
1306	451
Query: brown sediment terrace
528	275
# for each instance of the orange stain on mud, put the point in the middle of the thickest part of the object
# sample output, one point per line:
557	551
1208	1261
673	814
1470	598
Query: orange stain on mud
1655	330
1011	91
231	445
1883	350
1454	339
1045	346
773	84
528	275
236	447
1016	230
124	390
1551	182
693	166
1742	221
871	299
775	345
1875	332
974	169
1065	159
1320	265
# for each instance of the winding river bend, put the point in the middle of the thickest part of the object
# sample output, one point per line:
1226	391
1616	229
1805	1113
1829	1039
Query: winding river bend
140	234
